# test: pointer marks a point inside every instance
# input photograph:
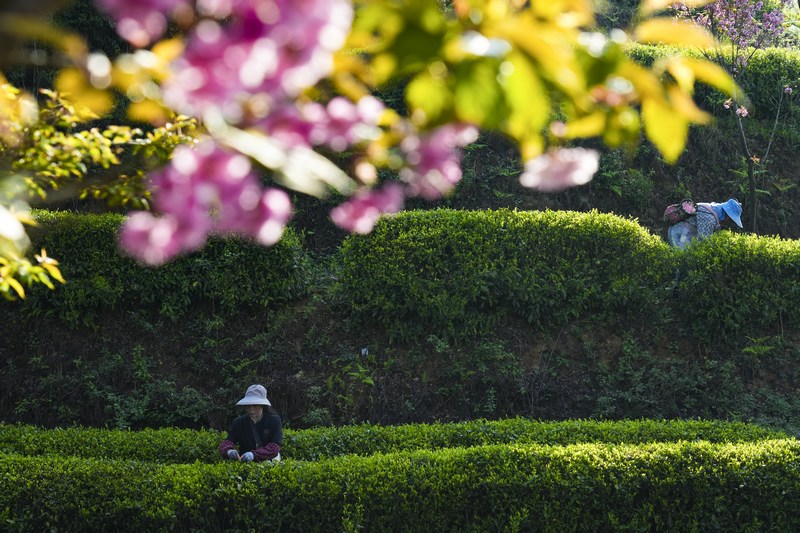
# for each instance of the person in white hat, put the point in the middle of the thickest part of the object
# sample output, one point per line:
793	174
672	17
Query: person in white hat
257	435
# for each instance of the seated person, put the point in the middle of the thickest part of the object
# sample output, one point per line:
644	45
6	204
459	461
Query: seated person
258	434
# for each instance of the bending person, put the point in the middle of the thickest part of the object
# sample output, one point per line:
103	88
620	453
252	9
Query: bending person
258	434
705	222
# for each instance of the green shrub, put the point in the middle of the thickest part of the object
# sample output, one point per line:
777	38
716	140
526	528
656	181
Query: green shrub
228	274
454	274
737	286
681	486
186	446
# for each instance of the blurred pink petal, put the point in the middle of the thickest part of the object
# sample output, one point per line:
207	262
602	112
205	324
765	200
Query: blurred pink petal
140	22
434	159
205	190
560	169
360	213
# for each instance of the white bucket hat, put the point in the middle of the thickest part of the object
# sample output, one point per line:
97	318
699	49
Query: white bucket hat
255	395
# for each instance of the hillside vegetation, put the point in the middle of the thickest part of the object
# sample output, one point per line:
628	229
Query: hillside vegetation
438	315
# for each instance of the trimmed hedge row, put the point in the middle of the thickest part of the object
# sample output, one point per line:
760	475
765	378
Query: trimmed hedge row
228	273
739	285
683	486
456	273
187	446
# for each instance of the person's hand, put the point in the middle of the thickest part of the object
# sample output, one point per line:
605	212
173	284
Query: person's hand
233	454
247	457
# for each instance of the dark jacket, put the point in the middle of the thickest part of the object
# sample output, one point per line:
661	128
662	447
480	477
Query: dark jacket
243	435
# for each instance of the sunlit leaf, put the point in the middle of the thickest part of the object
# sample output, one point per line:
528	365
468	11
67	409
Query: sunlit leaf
90	102
527	98
478	98
429	95
54	272
667	30
301	169
714	75
148	111
684	104
648	7
550	49
14	284
665	128
588	126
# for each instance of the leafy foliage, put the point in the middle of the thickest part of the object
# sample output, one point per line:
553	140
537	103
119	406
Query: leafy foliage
167	446
662	485
455	273
235	274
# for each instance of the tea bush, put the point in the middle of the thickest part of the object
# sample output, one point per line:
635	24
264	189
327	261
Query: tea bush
454	274
187	446
738	286
229	274
680	486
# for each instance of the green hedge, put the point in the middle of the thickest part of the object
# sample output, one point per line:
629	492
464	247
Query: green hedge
737	286
683	486
229	274
187	446
456	273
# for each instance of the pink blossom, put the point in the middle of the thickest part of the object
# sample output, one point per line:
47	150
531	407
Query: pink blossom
273	48
742	111
360	213
337	125
787	90
204	191
434	159
140	22
560	169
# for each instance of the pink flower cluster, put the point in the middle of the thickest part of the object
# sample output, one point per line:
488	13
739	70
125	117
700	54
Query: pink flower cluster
744	23
270	48
337	125
143	21
360	213
248	61
205	190
434	159
560	169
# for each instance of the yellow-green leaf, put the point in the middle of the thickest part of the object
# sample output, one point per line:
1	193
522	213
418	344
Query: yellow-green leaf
430	95
648	7
665	128
526	96
478	98
667	30
714	75
14	284
587	126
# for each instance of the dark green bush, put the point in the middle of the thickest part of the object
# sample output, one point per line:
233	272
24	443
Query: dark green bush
229	274
737	286
186	446
456	273
682	486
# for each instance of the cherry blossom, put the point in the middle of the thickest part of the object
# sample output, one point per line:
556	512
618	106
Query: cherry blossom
360	213
560	169
205	190
275	49
143	21
337	125
434	159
